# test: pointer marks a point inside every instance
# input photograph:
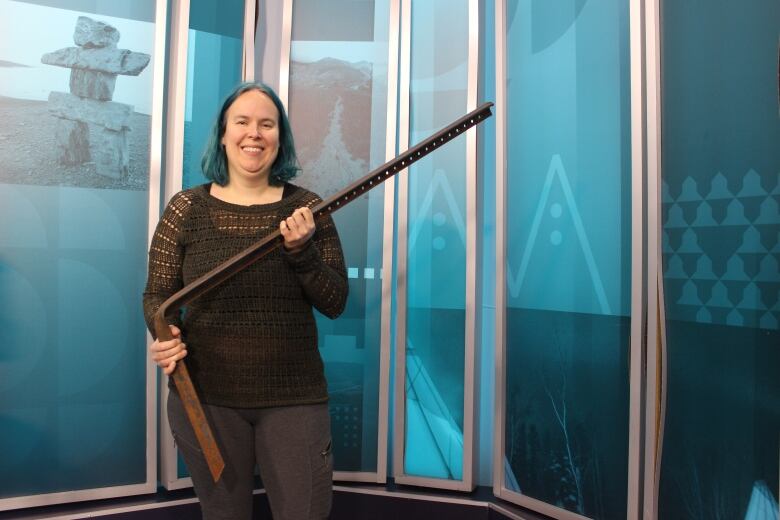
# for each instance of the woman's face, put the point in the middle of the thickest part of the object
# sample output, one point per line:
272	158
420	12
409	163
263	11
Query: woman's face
251	137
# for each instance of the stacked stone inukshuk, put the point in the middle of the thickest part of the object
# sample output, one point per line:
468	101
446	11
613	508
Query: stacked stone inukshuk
95	64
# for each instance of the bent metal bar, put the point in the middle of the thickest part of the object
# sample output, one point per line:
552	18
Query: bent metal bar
250	255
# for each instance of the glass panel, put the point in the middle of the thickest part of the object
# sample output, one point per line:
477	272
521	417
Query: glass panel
436	241
568	271
74	150
214	53
720	259
338	112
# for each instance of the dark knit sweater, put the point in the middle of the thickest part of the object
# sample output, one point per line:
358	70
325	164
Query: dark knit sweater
252	341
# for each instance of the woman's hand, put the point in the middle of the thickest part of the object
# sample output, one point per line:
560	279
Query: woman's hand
297	229
167	353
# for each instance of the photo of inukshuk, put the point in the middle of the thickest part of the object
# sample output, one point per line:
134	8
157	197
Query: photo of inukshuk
95	64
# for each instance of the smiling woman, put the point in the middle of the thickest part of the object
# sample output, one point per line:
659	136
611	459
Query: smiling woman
248	101
251	144
251	344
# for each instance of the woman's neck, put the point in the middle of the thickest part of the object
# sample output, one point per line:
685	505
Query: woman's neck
236	192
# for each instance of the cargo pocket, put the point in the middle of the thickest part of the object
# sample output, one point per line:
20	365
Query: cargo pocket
326	456
321	453
185	445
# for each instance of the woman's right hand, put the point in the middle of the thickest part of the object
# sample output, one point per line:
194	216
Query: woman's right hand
167	353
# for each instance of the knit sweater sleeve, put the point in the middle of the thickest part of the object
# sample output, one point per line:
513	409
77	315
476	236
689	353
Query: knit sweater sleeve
321	270
166	256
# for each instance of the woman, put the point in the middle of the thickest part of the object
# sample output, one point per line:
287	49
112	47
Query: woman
251	343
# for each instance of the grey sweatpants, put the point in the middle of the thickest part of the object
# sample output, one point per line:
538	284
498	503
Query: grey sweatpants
290	444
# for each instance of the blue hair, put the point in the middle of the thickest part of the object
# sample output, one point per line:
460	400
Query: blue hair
214	161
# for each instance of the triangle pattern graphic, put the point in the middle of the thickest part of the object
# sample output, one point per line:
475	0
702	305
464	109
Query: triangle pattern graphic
738	225
751	185
557	172
690	191
719	188
438	182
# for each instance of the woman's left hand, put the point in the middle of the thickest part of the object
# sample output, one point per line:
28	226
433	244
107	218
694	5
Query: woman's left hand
297	229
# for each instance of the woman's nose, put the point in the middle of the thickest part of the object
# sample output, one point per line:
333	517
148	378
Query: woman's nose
254	131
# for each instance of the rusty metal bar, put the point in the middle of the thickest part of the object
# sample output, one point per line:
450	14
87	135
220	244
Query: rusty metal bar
261	248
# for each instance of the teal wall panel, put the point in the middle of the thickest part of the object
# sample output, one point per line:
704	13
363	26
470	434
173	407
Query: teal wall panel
436	245
214	53
721	243
338	111
73	238
568	263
